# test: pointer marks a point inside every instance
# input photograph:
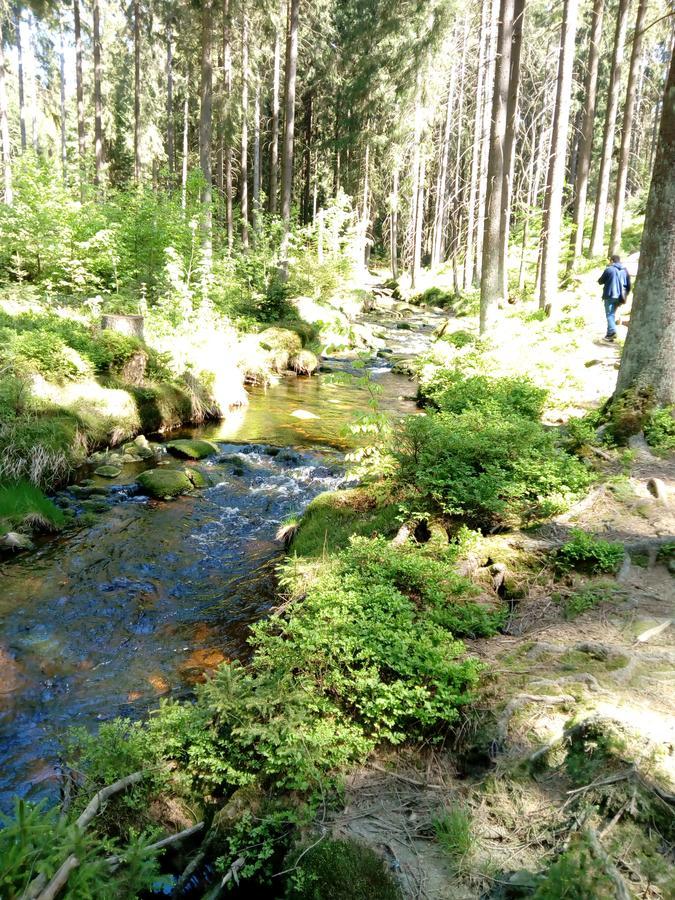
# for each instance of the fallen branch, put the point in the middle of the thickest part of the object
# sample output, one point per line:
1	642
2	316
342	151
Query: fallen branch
653	632
116	861
104	794
622	892
413	781
60	878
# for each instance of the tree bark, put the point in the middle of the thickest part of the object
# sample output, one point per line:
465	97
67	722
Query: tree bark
510	143
289	126
586	136
490	286
648	358
365	214
441	181
186	126
137	91
243	168
274	139
469	258
79	90
600	212
256	156
170	139
205	134
22	99
393	224
227	85
627	130
4	129
98	102
307	156
550	257
62	99
415	213
491	50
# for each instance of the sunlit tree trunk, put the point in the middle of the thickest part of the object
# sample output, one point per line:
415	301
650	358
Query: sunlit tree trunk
490	286
274	137
415	213
648	359
137	91
586	135
307	156
256	156
4	129
227	87
79	91
243	167
365	214
186	127
62	98
441	181
469	259
205	134
491	49
550	255
170	139
627	130
22	98
600	212
289	126
393	224
98	101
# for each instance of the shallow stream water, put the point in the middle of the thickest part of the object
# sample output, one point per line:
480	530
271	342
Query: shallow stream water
105	620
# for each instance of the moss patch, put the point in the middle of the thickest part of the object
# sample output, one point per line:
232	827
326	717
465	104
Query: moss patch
163	483
196	449
24	505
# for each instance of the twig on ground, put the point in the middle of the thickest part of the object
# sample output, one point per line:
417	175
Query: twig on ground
60	878
413	781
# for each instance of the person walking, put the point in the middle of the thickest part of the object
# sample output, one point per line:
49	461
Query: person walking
616	288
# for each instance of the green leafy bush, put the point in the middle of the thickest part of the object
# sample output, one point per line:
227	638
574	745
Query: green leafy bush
434	296
588	553
660	429
450	390
459	339
576	875
587	598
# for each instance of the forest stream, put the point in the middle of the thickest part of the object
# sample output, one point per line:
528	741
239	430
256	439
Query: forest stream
103	621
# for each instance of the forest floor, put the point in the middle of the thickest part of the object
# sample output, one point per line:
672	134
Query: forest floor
575	724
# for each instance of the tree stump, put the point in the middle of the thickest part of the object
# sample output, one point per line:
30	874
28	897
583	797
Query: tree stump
130	325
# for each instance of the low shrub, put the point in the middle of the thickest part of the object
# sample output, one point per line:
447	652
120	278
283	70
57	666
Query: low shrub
340	869
450	390
459	339
660	429
434	296
587	598
588	553
576	875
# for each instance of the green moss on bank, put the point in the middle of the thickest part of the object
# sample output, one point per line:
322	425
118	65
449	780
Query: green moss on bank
23	505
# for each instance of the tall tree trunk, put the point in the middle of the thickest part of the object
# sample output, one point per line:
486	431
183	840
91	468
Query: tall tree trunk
22	97
550	257
227	86
62	98
648	358
491	51
4	129
600	212
586	135
365	213
393	224
419	219
469	258
256	156
186	127
627	131
243	168
98	101
274	138
205	136
457	197
170	140
307	156
510	143
79	90
289	126
490	285
137	91
441	181
416	214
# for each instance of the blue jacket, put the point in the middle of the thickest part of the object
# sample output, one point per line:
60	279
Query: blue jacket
616	281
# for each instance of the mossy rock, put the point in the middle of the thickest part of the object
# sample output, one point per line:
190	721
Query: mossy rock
191	449
108	471
197	478
304	363
280	339
164	483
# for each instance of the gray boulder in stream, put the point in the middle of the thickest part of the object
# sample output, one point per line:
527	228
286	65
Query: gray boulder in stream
166	483
192	449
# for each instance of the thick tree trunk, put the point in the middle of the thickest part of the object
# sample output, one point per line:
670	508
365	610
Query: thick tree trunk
469	258
627	130
170	139
137	91
289	126
510	143
490	285
550	257
274	138
62	98
98	101
243	168
186	127
22	97
227	86
491	46
600	212
79	91
441	181
586	135
205	134
8	196
649	355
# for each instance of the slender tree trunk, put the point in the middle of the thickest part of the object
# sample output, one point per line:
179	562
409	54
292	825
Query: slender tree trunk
62	98
186	127
490	285
336	148
307	156
98	101
289	127
510	143
550	257
256	156
600	213
205	136
469	259
441	181
529	202
415	213
274	139
22	98
227	85
79	90
457	197
137	91
648	358
627	131
243	176
365	214
393	224
419	219
170	139
586	135
4	129
488	91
